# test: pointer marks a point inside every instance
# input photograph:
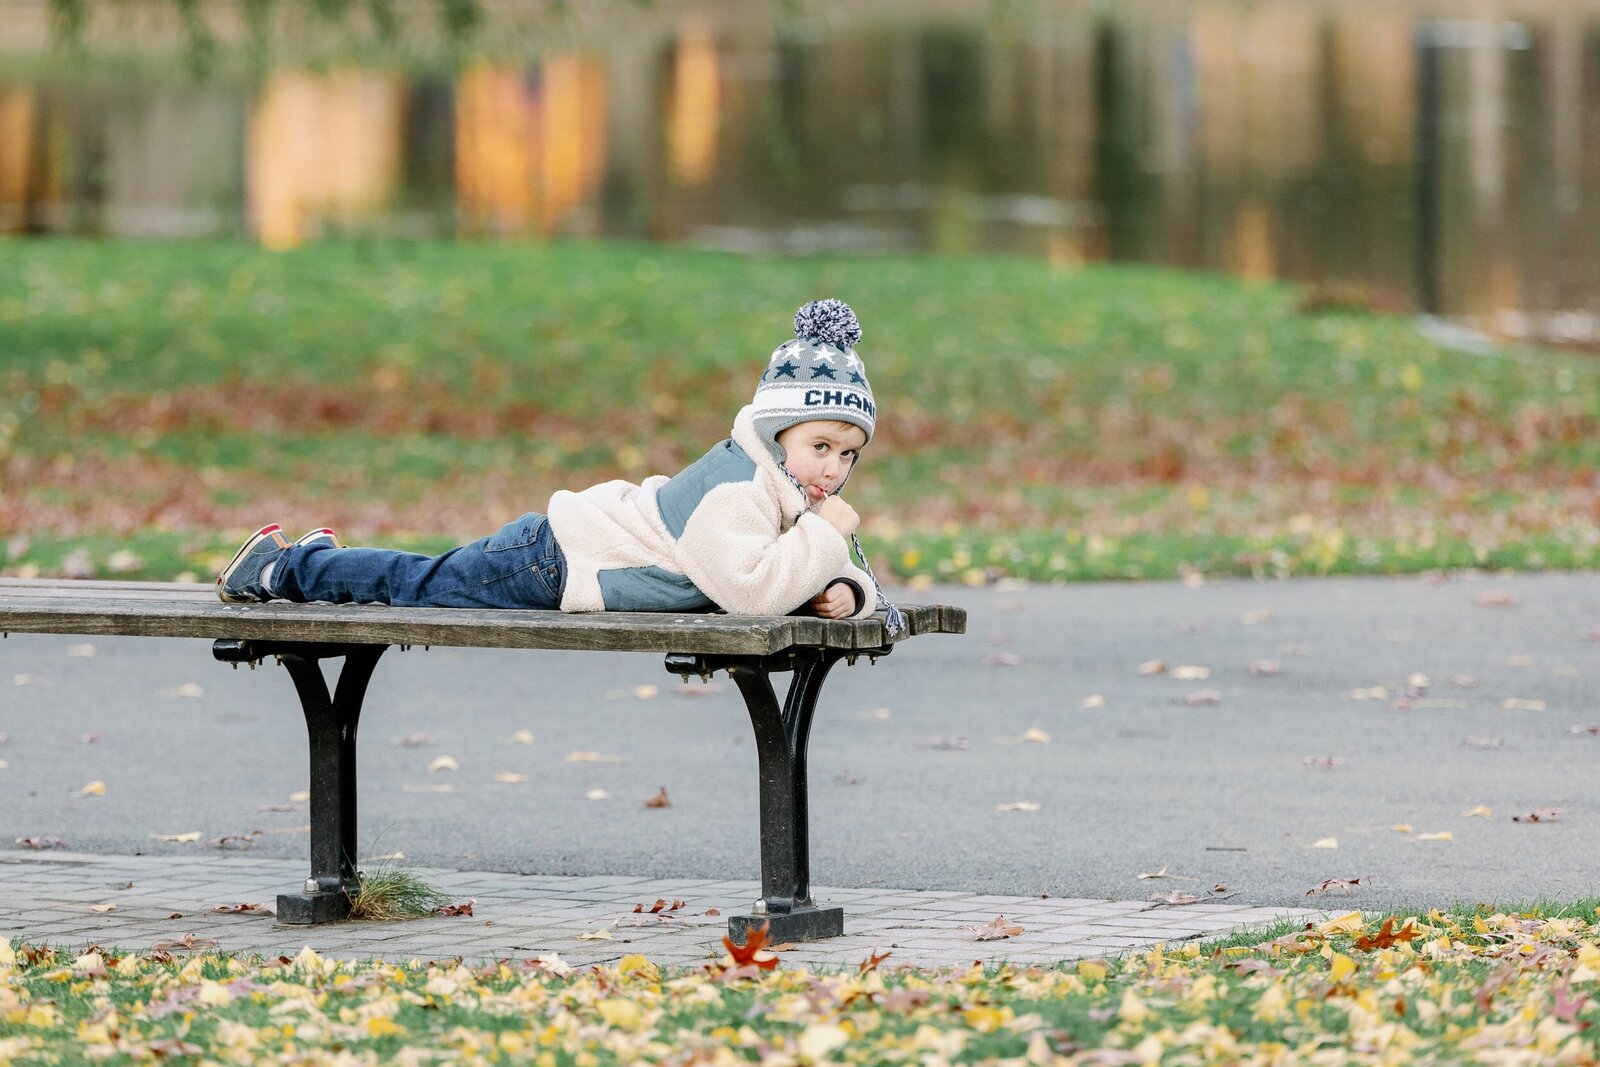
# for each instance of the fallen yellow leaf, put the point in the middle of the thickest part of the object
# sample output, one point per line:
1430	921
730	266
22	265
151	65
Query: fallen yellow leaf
1326	842
1481	809
591	757
1519	704
638	692
618	1012
102	907
183	838
299	796
95	788
1341	967
1032	733
521	737
444	763
1152	666
602	934
597	794
1162	873
1348	923
1020	805
1191	673
1401	828
510	776
1092	701
1442	835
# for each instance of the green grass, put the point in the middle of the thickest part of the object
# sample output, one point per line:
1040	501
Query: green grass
393	892
1464	986
1039	423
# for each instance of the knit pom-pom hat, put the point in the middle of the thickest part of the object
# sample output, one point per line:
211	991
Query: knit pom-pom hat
817	375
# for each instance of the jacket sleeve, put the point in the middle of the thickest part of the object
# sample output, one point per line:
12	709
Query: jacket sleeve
732	550
863	586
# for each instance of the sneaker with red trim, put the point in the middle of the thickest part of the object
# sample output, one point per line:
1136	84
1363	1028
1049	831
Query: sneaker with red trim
318	537
240	581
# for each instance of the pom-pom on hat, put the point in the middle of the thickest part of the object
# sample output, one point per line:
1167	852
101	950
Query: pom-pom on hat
817	375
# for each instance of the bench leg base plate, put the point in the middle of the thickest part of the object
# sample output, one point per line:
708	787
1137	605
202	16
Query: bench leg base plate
807	924
308	909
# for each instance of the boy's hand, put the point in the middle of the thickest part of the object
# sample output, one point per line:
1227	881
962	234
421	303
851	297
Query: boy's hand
842	516
834	602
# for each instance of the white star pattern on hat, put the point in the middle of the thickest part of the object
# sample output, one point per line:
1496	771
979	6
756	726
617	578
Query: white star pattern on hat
822	356
852	361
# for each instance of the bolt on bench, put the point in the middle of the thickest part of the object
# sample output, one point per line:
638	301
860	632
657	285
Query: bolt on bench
750	648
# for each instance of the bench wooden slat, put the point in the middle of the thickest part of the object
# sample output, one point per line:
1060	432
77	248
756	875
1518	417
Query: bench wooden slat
150	609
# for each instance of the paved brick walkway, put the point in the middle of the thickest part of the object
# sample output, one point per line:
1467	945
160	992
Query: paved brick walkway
61	898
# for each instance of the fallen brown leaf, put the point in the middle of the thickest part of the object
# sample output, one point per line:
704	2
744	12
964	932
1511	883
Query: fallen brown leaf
463	908
1176	898
1203	696
754	952
1387	936
872	961
188	942
939	741
1339	884
659	906
1541	815
659	800
241	909
236	841
414	740
37	843
996	929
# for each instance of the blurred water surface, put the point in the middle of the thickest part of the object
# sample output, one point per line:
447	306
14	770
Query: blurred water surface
1439	157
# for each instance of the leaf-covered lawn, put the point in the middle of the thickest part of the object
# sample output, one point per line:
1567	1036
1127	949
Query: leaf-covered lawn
1501	988
158	399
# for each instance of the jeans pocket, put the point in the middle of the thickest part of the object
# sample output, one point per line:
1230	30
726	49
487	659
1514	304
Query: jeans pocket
519	533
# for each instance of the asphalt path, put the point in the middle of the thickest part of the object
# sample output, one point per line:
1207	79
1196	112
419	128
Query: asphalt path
1488	695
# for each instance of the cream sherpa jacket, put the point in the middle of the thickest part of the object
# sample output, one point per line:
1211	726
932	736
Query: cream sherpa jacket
730	530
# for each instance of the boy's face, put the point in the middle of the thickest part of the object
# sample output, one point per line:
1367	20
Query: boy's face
819	454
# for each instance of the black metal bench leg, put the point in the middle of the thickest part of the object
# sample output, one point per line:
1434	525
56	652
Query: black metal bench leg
331	726
781	736
331	723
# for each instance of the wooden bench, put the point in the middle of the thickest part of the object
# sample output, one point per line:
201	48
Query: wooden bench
749	648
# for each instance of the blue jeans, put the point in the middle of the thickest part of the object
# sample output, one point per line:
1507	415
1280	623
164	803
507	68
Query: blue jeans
519	567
